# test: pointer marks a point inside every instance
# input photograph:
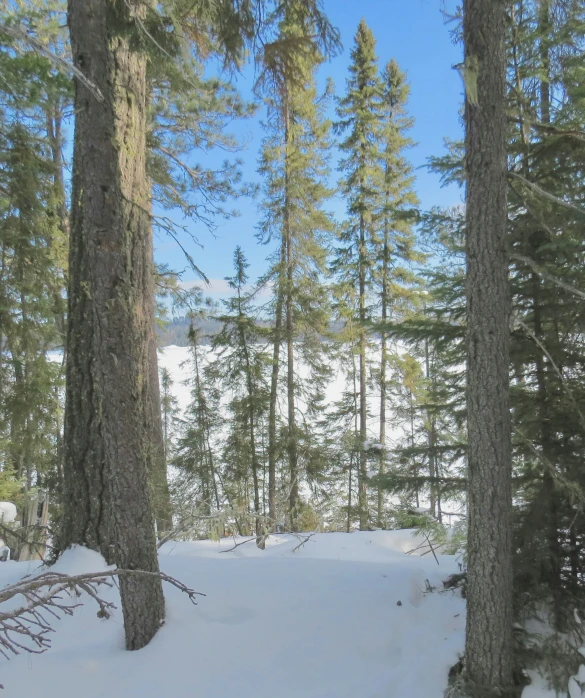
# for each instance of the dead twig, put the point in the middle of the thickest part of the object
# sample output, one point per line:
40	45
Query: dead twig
54	594
303	541
431	547
237	545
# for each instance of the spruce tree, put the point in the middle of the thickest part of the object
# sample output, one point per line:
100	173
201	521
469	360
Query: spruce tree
195	456
240	368
169	408
35	98
395	215
295	167
360	115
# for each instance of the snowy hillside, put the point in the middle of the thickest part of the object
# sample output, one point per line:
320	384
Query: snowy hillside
345	616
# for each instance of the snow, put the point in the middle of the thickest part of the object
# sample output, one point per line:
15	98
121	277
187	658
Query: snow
7	512
321	622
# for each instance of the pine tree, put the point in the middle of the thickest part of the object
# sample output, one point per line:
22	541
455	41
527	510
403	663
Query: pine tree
240	368
170	411
33	253
546	271
395	279
360	114
295	166
195	456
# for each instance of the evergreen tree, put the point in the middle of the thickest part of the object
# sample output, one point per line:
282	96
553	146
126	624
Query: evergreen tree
33	243
194	454
395	279
360	113
170	411
239	367
295	167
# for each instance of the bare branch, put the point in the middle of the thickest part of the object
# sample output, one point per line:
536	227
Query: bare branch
237	545
303	541
26	628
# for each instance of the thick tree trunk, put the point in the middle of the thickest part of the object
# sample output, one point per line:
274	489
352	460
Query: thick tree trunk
108	452
488	651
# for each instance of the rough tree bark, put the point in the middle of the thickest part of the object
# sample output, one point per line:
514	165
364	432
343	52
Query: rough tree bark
488	650
108	452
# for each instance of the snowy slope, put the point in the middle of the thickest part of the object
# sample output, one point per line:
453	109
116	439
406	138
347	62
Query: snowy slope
322	622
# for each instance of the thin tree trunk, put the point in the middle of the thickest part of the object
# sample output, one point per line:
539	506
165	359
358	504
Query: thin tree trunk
489	648
544	48
252	433
209	477
54	120
547	437
272	445
161	496
363	493
290	371
549	491
383	363
431	439
108	453
355	427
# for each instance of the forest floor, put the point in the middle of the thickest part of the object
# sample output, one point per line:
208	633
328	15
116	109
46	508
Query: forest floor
343	616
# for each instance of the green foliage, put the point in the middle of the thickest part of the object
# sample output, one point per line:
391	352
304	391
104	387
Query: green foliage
10	487
33	251
295	166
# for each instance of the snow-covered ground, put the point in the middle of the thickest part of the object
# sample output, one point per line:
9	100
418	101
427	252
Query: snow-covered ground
345	616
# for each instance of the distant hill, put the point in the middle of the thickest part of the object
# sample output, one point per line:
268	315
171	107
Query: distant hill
175	332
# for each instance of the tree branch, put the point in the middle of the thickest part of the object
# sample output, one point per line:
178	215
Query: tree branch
26	628
60	63
546	194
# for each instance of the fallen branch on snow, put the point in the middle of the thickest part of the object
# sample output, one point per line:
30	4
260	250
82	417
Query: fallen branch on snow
27	627
303	541
237	545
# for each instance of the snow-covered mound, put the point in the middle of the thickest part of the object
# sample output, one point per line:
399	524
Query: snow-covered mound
345	616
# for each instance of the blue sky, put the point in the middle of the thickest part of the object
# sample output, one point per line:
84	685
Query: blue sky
415	34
